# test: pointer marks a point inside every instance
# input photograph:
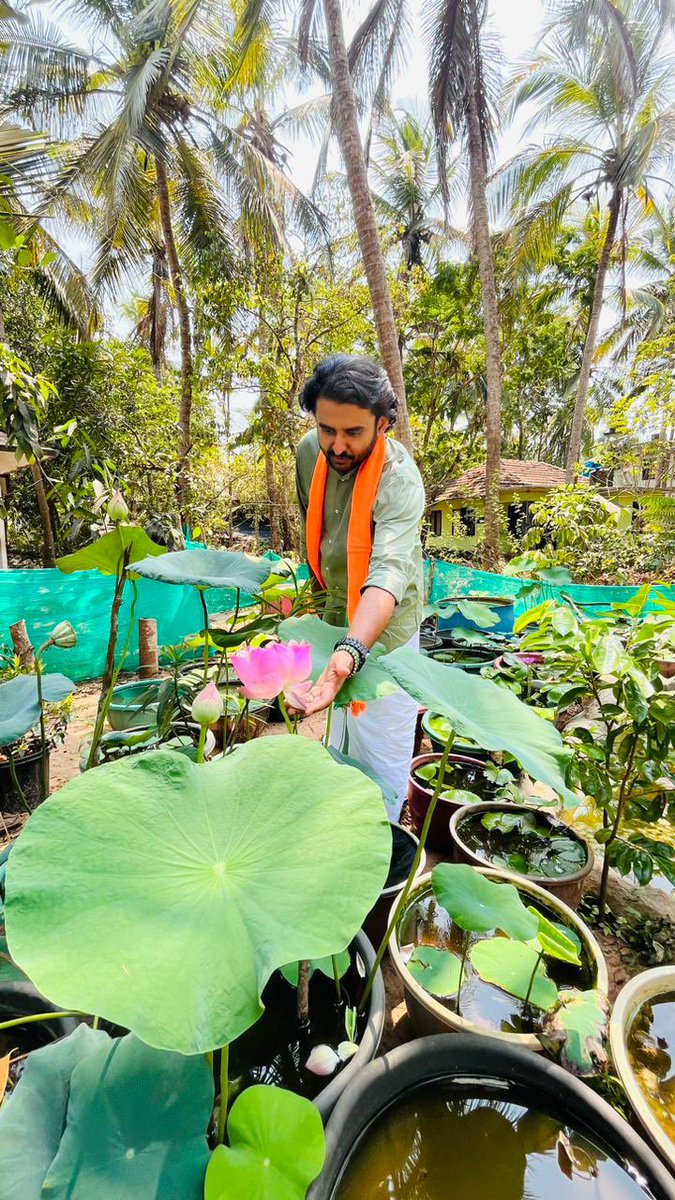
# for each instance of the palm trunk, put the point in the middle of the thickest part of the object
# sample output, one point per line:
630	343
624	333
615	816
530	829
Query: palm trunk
574	449
347	129
186	365
486	267
48	547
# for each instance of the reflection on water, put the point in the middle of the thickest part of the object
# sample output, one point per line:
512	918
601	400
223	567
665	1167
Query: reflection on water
651	1048
438	1145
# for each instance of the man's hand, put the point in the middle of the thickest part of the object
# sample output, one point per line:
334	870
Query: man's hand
328	684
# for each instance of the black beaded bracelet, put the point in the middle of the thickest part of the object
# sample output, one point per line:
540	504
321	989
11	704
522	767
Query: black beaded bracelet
358	650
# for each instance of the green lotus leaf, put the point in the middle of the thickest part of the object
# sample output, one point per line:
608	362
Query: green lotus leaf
277	1148
92	1116
479	709
480	905
577	1032
370	683
183	886
20	705
107	554
555	940
388	793
437	971
207	569
510	966
477	611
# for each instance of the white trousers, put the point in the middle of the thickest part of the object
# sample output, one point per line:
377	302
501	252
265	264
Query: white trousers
381	738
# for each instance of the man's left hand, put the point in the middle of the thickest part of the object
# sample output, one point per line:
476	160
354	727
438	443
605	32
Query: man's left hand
327	686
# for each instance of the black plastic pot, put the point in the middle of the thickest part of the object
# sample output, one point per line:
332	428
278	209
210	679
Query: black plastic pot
29	775
22	999
468	1059
404	847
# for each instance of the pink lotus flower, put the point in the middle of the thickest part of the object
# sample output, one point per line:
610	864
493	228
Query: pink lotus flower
265	671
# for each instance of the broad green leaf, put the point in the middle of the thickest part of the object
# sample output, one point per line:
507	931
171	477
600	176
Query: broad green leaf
20	706
505	822
437	971
325	965
107	554
460	796
388	792
223	879
7	234
370	683
93	1116
608	654
556	575
510	965
9	972
207	569
225	640
563	620
554	940
277	1148
479	904
576	1032
479	612
490	715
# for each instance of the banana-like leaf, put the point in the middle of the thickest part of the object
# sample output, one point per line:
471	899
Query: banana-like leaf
107	555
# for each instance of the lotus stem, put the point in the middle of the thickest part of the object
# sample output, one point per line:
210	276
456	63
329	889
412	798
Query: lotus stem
111	674
205	607
224	1092
43	733
202	740
403	898
48	1016
329	724
15	780
532	979
303	992
462	965
336	977
284	713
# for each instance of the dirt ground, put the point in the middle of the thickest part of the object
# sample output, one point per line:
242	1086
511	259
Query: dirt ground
622	961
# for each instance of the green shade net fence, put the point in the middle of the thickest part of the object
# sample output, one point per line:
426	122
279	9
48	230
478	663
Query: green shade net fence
44	597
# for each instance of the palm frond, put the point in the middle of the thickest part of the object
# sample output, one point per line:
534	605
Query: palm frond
378	50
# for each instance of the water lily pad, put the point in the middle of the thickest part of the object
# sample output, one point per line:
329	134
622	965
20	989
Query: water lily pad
20	706
437	971
510	965
184	886
555	939
577	1032
277	1148
490	715
208	569
480	905
92	1116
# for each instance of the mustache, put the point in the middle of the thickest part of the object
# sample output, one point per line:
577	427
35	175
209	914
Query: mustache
332	454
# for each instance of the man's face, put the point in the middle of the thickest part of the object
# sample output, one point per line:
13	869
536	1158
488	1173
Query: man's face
347	433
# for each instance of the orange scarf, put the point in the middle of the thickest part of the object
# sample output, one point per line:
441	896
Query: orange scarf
360	533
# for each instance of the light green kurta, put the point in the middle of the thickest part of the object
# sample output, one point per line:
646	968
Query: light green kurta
396	563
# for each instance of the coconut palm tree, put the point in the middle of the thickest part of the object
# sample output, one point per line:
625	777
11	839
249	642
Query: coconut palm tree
604	83
372	59
152	142
460	101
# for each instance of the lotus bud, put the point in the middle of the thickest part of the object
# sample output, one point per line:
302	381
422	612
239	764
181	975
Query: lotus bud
117	508
322	1061
63	635
207	706
346	1050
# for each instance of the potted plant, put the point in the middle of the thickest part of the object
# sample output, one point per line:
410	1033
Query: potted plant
479	1114
525	840
475	611
33	718
642	1039
134	705
462	781
483	950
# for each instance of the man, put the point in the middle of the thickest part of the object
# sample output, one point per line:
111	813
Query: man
361	500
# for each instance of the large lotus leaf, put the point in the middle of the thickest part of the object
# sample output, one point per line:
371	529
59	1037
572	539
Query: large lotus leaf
20	706
479	904
92	1116
107	554
387	790
183	886
490	715
511	966
207	569
277	1148
370	683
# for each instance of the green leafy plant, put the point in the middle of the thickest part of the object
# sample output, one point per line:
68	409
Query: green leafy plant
25	702
622	749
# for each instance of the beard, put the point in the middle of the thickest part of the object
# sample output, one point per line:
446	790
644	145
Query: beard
345	463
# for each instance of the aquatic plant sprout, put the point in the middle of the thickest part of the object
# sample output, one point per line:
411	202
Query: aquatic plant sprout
266	671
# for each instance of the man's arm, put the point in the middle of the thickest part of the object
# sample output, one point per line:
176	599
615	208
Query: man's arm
397	520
